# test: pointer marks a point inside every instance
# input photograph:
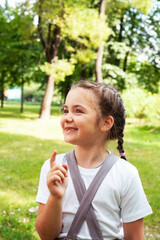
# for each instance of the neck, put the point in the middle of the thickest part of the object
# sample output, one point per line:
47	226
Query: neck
90	157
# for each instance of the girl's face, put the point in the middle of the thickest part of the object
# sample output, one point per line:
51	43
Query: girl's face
80	122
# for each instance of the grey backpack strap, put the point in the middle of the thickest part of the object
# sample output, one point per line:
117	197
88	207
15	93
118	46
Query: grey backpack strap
85	204
80	189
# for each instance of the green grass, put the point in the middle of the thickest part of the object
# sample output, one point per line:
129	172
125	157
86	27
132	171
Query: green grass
26	142
143	147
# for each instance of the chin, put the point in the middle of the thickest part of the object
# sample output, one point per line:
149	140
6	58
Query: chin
69	141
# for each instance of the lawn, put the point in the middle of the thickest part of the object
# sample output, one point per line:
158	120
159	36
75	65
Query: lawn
26	142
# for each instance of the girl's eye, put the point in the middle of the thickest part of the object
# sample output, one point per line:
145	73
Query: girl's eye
79	111
65	110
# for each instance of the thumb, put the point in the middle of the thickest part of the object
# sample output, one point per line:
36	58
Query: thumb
53	158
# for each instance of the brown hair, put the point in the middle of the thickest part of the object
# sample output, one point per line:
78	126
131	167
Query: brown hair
110	104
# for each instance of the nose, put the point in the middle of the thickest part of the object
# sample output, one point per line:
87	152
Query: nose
68	117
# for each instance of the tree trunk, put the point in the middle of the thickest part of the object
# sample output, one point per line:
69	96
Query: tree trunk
47	100
98	67
120	38
22	96
83	72
51	54
125	61
2	98
98	64
50	46
2	88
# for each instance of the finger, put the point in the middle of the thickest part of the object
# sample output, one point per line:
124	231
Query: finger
53	158
66	168
60	174
62	169
56	178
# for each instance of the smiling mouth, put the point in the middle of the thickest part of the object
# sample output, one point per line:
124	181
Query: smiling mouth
70	129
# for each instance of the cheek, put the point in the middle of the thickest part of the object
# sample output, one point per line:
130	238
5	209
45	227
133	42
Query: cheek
62	122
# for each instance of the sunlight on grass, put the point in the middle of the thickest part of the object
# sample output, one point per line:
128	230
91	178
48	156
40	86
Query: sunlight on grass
42	129
27	123
12	198
146	135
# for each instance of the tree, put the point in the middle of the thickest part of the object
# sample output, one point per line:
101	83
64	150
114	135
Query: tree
74	27
19	48
98	63
144	39
122	19
50	45
3	59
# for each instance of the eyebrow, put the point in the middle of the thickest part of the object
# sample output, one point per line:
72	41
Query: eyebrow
74	106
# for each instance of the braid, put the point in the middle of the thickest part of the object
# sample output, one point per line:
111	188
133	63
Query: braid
110	104
120	127
120	146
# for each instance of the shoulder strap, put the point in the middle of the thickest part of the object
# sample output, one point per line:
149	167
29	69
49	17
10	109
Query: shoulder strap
85	202
80	189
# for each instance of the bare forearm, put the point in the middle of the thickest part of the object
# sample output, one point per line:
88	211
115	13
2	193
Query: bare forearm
134	238
134	230
49	221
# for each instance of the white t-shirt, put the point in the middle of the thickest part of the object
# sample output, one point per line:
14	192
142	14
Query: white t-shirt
120	198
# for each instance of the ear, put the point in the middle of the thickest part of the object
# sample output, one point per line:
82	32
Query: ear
107	124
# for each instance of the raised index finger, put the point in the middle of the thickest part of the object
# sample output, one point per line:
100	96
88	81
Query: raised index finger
52	159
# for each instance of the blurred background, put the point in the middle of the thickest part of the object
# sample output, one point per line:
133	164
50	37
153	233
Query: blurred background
45	47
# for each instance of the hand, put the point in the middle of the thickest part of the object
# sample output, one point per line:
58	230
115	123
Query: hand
57	178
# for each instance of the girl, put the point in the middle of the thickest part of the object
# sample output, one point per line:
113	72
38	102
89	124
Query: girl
93	115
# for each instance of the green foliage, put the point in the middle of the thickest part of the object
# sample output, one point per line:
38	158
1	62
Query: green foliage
33	93
118	49
58	70
134	41
19	49
130	34
82	31
85	56
115	76
142	104
143	5
148	76
85	26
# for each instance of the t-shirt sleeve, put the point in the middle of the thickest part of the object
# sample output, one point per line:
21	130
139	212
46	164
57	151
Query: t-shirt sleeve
134	204
43	191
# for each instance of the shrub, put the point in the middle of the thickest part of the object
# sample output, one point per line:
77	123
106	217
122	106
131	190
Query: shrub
142	104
